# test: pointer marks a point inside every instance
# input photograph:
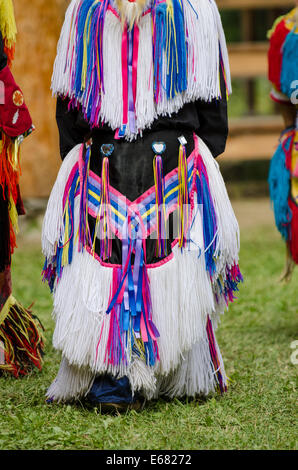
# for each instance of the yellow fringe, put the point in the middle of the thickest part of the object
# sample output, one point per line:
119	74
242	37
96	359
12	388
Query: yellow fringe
13	215
8	25
6	308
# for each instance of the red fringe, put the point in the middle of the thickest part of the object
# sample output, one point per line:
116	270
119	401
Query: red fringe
9	51
9	181
23	343
9	178
275	53
293	240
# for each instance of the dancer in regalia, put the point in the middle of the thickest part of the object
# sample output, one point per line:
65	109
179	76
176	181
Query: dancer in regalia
140	239
21	342
283	176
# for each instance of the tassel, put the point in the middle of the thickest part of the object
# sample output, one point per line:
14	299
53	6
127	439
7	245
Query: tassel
84	164
183	197
103	219
169	39
88	72
22	342
175	49
159	45
161	226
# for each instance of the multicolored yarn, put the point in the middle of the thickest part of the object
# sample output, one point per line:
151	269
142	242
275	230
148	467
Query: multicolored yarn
283	174
132	331
289	69
282	55
9	182
228	284
214	357
22	342
174	41
283	189
110	210
84	163
206	203
279	185
114	320
183	197
87	76
169	41
160	210
103	220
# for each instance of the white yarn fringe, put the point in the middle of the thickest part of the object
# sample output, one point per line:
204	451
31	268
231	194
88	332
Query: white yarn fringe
142	378
145	108
181	292
63	62
195	374
228	227
182	298
71	383
205	35
203	51
223	46
111	108
53	227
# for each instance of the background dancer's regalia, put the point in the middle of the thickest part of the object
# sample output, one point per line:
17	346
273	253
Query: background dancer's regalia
283	176
142	111
21	343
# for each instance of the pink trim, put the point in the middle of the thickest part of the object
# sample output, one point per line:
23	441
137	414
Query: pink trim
135	61
125	75
114	12
133	210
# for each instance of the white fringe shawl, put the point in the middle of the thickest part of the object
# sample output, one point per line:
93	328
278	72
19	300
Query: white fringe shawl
204	35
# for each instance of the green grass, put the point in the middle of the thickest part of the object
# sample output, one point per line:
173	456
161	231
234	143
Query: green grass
258	412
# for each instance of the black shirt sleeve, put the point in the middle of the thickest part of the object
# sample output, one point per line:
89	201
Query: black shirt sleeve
73	129
213	118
